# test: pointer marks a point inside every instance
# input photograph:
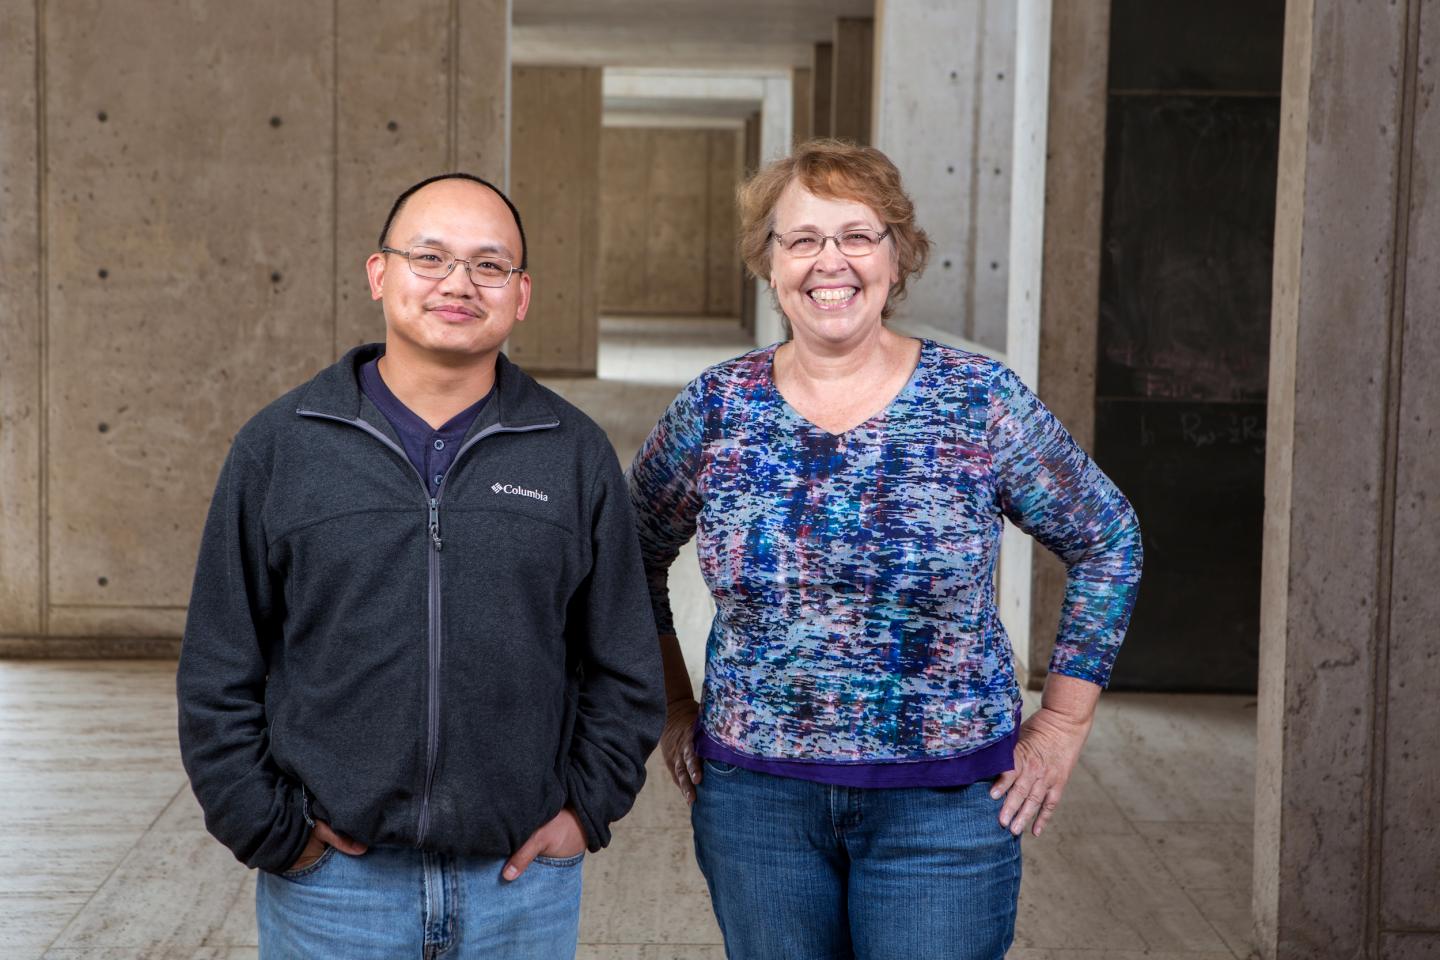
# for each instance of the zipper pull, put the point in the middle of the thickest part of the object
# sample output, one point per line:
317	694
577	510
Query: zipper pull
435	523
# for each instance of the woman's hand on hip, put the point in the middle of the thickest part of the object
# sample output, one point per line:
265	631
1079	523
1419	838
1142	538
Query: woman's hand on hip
677	746
1046	753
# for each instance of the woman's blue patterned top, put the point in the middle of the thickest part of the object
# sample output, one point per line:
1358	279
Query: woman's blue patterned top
854	574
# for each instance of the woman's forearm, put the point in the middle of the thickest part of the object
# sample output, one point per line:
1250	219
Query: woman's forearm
677	675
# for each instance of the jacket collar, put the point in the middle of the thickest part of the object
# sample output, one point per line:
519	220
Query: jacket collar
519	401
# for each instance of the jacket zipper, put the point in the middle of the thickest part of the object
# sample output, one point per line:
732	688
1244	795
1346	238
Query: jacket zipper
434	622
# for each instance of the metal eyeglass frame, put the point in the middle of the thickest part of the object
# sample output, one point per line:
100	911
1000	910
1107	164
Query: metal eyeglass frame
829	236
453	261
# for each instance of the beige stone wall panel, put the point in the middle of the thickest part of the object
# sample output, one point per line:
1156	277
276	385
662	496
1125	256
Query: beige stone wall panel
205	196
21	410
392	128
555	177
675	263
1410	896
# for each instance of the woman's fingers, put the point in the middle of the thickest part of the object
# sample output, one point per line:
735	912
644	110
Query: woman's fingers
1047	809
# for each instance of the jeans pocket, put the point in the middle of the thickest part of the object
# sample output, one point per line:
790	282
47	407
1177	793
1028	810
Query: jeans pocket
561	861
720	767
311	868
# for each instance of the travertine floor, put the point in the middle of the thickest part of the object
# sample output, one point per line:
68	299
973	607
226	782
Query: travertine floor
103	855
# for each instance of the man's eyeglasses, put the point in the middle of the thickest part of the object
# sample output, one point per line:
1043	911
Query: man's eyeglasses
804	244
433	263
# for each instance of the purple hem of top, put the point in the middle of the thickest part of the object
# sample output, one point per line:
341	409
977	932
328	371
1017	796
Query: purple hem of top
985	763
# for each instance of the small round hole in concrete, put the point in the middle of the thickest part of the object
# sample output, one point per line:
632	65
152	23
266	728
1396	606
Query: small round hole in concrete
275	121
102	116
104	581
946	264
104	428
104	273
392	126
275	277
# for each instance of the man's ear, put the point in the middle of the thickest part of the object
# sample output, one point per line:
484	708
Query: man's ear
375	272
522	306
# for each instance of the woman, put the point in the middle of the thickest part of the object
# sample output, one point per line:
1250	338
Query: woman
865	775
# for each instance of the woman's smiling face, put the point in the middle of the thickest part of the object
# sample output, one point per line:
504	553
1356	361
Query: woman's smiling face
830	297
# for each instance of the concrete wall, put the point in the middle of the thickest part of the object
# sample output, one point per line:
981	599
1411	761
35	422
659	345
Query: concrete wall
821	77
188	201
1347	859
555	149
668	221
851	78
944	101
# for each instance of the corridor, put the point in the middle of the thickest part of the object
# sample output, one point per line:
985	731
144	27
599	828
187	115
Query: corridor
103	855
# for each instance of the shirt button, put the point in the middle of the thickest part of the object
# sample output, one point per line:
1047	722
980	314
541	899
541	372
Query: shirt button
439	477
439	444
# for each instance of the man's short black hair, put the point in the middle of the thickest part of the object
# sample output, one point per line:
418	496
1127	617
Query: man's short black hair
400	203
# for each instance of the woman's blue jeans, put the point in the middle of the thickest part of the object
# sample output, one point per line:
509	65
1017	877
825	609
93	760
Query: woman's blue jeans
399	902
807	871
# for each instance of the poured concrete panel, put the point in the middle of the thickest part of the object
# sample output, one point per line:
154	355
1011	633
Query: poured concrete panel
722	221
624	217
668	217
851	77
21	410
1410	897
555	179
676	257
482	89
1347	615
393	128
188	208
803	79
944	103
822	77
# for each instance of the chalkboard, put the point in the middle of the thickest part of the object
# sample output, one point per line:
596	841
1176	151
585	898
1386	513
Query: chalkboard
1183	360
1195	474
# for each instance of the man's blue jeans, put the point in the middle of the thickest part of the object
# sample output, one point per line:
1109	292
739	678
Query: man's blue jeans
399	902
807	871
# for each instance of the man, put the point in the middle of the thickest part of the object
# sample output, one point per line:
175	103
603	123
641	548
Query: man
419	676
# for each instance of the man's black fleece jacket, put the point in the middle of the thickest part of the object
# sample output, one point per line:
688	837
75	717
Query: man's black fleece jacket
445	673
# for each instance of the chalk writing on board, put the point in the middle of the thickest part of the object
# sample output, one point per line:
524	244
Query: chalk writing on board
1200	431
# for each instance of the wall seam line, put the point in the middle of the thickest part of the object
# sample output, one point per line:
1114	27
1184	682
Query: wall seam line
43	325
967	324
335	179
1390	450
453	104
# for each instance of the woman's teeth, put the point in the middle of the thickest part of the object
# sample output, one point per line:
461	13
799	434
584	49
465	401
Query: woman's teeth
833	296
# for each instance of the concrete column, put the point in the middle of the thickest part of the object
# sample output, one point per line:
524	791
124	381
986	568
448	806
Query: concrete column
803	101
851	77
556	174
183	237
944	98
775	115
1054	290
821	77
749	287
1347	860
22	333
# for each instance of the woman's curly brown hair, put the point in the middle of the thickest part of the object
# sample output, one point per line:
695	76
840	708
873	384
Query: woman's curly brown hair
834	170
